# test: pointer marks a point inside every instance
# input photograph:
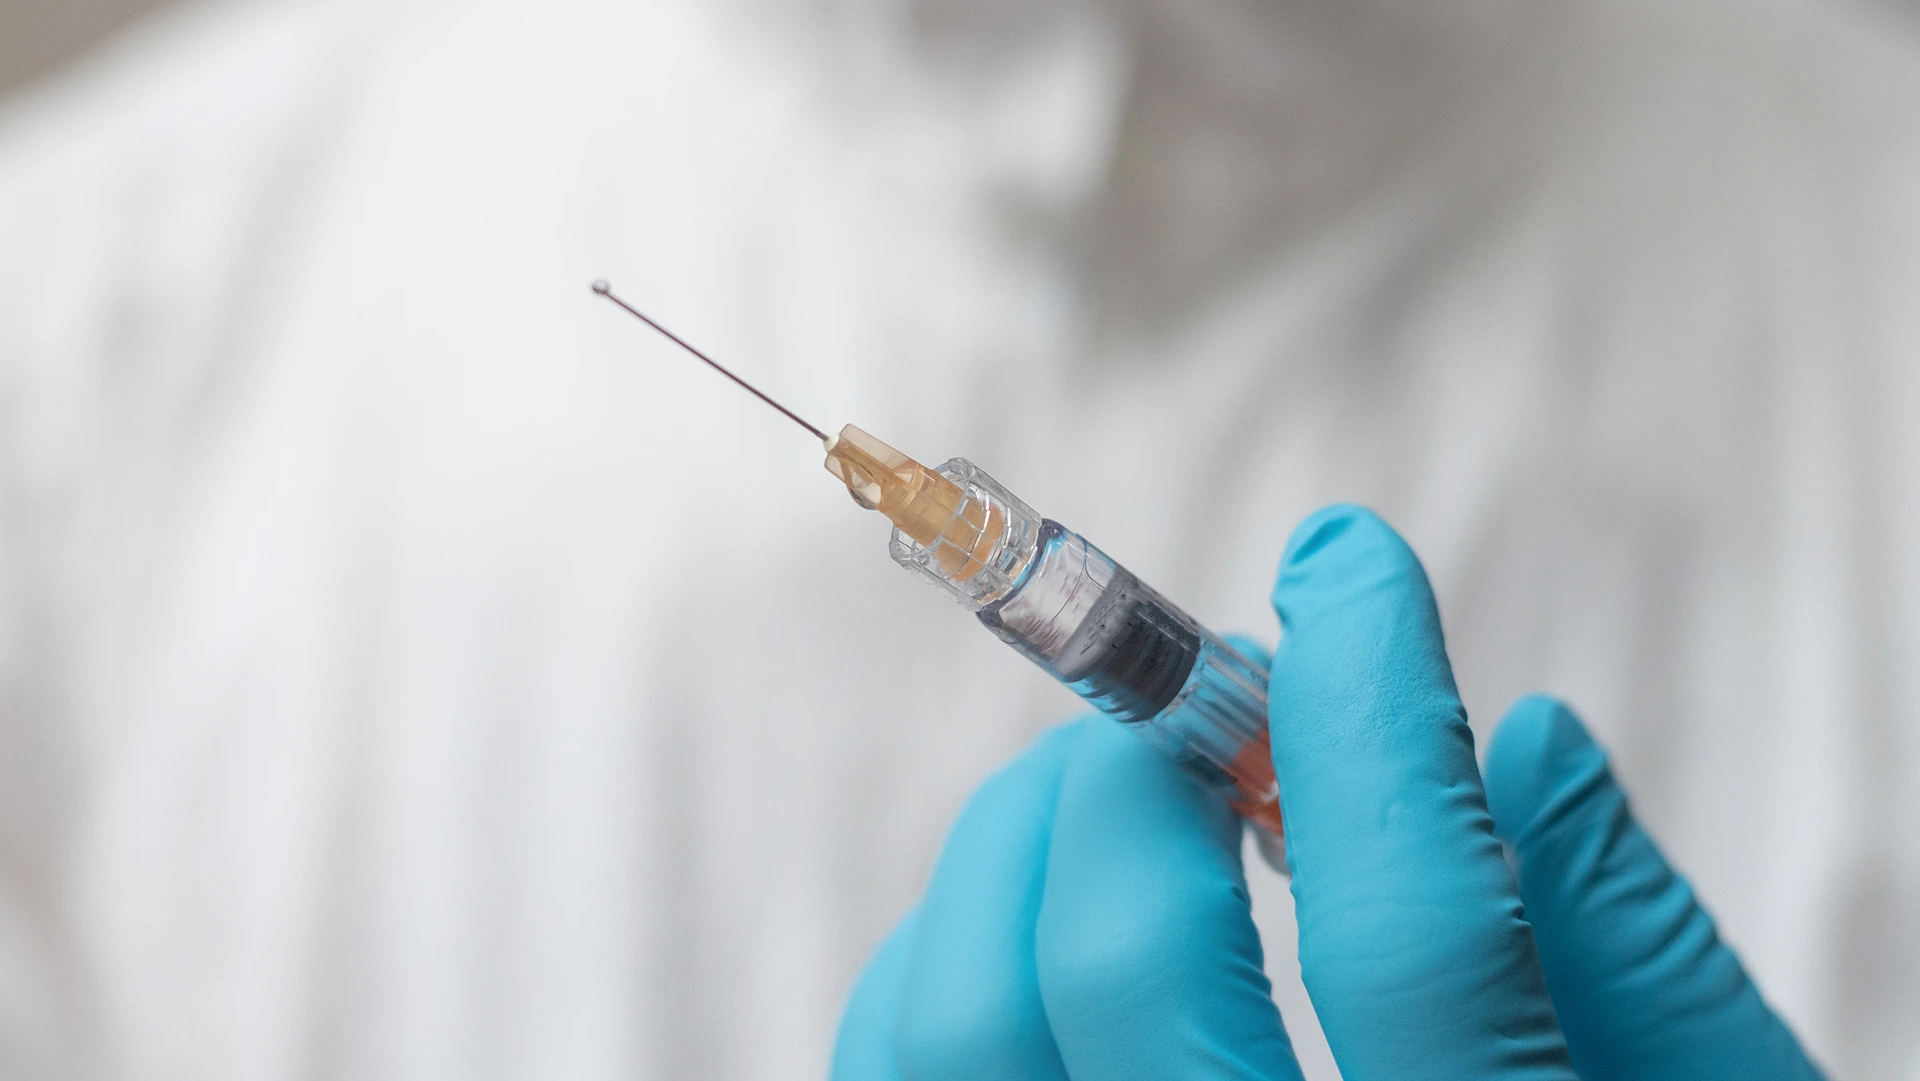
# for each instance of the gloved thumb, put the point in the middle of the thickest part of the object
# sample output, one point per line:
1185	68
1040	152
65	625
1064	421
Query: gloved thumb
1643	985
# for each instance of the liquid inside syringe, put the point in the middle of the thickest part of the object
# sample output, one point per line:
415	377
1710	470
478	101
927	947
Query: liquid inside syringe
1087	621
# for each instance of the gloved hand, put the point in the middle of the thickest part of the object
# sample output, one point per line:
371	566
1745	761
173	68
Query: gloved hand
1088	918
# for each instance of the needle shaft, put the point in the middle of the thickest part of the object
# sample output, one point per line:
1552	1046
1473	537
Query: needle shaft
606	290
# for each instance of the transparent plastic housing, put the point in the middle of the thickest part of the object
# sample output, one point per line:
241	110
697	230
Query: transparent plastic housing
1120	645
991	569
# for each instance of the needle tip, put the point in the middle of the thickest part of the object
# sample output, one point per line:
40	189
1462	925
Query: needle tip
602	286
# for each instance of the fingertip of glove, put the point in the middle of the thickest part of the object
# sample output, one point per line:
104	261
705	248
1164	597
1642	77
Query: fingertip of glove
1121	800
1049	750
1330	525
1059	739
1538	751
1020	789
1115	766
1342	548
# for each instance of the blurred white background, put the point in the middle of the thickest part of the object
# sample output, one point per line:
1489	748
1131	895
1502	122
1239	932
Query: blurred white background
407	668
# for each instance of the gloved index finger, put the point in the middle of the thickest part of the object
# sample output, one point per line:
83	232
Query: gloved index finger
1412	944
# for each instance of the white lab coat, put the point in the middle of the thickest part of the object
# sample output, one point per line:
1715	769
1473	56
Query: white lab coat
412	667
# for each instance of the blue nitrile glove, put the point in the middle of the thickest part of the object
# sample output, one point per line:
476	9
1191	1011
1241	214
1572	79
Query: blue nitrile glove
1642	983
1088	918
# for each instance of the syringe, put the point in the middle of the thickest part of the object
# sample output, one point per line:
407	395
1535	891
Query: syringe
1084	619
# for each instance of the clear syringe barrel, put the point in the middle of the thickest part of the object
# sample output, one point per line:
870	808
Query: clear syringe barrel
1086	620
